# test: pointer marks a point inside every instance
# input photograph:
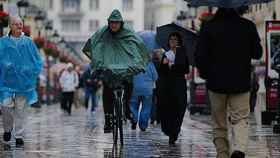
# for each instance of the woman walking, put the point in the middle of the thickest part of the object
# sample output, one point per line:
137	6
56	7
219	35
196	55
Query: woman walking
173	71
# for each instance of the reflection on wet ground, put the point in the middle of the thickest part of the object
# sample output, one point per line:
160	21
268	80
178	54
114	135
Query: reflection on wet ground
52	134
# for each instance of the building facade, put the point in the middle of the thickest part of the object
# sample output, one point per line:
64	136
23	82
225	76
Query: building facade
77	20
161	12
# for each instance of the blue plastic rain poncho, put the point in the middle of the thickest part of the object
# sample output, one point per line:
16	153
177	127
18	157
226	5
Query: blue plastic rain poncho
20	65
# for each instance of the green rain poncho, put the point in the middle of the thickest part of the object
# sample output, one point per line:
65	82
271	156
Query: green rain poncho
122	52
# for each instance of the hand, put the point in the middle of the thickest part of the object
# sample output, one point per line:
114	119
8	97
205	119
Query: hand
165	61
186	77
170	64
99	83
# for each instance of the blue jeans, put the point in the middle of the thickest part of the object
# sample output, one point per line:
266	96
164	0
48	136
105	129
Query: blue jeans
89	93
145	111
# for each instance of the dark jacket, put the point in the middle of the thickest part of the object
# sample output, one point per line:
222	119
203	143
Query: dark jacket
180	67
225	48
90	80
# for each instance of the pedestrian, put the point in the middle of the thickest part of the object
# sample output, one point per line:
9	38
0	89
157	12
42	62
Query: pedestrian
116	47
155	110
173	71
254	89
91	85
223	56
69	81
142	93
20	66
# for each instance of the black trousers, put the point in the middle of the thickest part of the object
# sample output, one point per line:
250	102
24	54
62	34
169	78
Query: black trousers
108	99
67	101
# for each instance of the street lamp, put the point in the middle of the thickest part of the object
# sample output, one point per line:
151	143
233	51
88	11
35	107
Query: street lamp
39	20
22	5
55	37
48	29
181	18
192	16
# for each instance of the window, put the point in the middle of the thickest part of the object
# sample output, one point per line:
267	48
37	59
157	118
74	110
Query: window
93	4
93	25
70	25
50	4
71	5
127	5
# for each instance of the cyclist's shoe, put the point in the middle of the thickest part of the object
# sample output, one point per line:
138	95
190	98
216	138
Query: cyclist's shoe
133	125
19	142
7	136
108	129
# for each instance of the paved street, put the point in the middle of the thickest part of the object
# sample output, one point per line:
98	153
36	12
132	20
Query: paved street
52	134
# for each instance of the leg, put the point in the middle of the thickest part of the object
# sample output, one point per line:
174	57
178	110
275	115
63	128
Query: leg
70	101
20	103
239	113
93	101
219	117
145	112
134	108
153	110
64	101
108	108
8	118
87	95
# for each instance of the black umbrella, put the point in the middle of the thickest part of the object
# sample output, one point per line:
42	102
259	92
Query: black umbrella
189	38
225	3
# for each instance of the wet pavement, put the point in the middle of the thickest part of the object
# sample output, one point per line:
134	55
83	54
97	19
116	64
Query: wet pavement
52	134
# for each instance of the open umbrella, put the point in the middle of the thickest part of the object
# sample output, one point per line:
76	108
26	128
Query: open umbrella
224	3
149	38
189	38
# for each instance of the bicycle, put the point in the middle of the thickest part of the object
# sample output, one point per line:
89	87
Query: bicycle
118	114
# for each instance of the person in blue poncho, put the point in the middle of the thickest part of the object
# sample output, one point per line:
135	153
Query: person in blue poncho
20	65
143	84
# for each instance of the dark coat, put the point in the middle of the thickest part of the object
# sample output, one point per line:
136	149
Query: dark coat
225	48
173	93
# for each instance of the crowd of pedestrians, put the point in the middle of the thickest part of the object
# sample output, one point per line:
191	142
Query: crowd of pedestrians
157	94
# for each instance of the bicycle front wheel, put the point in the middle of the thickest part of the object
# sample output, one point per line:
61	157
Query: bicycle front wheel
120	121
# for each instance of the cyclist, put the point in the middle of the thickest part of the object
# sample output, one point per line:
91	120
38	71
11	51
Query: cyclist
111	47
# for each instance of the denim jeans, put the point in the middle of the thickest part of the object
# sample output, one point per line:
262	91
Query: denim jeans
145	111
90	94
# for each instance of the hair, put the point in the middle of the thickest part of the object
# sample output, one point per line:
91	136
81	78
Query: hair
225	13
178	35
11	18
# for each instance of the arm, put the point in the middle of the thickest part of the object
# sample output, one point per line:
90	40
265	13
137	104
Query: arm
154	72
163	68
61	79
76	79
36	58
202	52
255	43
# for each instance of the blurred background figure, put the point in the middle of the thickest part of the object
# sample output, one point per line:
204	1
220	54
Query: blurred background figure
156	57
142	94
91	85
69	81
